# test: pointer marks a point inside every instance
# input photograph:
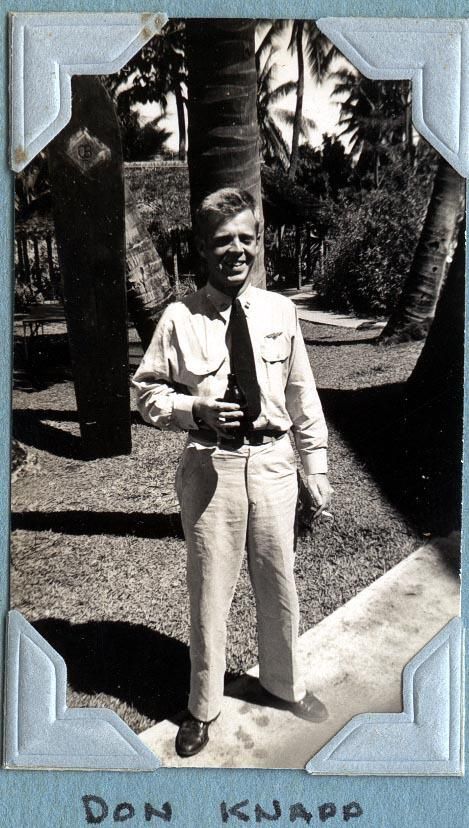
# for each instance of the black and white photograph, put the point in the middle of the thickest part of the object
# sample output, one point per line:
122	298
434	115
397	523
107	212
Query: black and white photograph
237	392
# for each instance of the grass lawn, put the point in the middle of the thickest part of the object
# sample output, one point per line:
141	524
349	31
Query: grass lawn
98	560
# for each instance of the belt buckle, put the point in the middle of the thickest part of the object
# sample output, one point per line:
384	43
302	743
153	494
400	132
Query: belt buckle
229	442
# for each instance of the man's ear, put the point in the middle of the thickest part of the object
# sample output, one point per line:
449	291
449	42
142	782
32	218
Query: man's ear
200	245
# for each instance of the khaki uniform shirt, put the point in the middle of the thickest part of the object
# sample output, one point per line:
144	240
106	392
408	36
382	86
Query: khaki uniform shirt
188	357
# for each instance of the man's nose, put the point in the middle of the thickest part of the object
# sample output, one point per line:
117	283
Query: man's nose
236	244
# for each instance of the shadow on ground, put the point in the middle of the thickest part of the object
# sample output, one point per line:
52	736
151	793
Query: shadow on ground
141	667
46	363
339	342
145	669
30	427
81	522
248	689
420	474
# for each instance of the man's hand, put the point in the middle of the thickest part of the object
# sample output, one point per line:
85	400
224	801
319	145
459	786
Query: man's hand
321	492
218	415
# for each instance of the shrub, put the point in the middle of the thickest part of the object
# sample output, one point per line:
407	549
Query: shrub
370	241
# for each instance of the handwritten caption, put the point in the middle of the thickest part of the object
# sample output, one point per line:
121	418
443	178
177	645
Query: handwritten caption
97	811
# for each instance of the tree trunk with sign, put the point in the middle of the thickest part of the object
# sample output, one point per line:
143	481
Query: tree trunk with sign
85	162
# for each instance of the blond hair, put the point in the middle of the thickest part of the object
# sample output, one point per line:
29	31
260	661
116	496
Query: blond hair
224	204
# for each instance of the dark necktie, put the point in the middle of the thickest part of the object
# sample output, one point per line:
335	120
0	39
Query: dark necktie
242	361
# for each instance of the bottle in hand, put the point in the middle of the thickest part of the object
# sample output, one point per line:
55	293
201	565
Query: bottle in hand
233	394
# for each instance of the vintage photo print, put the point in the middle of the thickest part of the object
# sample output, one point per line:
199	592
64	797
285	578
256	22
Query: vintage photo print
237	392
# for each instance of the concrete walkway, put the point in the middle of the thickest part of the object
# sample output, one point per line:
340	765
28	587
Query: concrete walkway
304	301
353	662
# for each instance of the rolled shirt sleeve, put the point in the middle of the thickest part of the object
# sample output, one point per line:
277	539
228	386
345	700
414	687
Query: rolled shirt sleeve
160	401
305	410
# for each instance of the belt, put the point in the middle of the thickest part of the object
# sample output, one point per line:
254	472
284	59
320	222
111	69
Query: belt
258	437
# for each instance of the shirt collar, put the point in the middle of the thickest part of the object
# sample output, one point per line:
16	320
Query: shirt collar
222	303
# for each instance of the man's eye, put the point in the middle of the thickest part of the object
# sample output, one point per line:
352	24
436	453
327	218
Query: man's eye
247	239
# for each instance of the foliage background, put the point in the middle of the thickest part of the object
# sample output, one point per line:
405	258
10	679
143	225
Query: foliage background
371	237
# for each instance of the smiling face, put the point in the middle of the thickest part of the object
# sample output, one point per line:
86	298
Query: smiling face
229	248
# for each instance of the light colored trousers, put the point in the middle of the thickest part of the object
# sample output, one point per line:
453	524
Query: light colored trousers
230	500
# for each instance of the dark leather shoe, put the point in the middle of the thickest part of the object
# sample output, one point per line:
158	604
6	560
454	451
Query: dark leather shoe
192	736
310	708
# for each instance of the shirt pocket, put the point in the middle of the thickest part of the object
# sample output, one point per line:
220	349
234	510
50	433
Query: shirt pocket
195	369
276	348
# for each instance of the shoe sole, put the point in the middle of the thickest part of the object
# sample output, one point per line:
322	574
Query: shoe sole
315	718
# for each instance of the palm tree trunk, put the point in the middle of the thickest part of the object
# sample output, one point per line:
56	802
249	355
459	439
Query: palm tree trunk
435	393
148	286
416	306
295	141
181	121
442	354
222	112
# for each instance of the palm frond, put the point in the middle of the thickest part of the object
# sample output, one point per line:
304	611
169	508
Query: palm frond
286	116
319	51
266	75
282	91
269	40
293	34
306	124
279	142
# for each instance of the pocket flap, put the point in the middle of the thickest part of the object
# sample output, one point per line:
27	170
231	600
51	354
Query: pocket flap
200	354
201	366
275	348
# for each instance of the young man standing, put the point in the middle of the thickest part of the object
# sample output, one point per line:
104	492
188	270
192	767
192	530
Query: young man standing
228	364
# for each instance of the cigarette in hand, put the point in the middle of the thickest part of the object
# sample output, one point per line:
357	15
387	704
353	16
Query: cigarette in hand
327	514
